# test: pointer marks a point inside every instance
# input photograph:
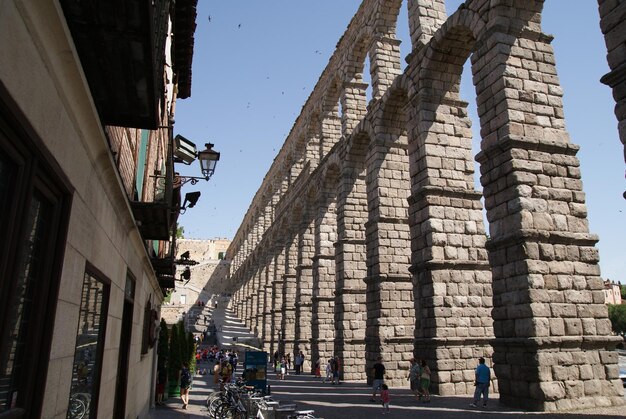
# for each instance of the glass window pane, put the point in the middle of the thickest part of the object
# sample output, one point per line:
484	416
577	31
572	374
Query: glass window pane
20	305
89	339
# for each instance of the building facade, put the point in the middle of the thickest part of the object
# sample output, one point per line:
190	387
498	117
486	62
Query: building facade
88	200
612	292
366	237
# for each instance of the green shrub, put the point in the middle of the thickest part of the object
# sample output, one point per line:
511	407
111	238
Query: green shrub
617	315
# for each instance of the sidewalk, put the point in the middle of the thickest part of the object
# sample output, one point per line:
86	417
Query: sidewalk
201	388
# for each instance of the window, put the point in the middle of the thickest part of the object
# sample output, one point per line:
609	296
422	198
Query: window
147	335
34	200
89	347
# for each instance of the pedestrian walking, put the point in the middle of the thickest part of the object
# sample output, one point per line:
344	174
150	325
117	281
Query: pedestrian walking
185	384
298	362
282	369
316	369
384	395
378	375
160	387
329	371
334	365
425	381
337	369
414	378
483	379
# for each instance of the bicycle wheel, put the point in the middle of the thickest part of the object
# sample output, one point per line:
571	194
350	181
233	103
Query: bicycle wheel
216	406
212	397
221	409
234	413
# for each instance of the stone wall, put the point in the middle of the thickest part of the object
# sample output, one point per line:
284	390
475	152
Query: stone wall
208	277
371	209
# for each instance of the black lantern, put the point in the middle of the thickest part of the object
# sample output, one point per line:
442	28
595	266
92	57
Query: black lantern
208	159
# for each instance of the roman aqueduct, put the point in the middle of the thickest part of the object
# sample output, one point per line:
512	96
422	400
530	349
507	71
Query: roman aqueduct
366	237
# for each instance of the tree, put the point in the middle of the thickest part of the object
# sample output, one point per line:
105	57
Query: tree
617	315
622	289
168	297
163	348
180	232
191	352
174	361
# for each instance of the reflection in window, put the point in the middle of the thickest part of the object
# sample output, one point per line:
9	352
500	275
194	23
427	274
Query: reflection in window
89	339
21	303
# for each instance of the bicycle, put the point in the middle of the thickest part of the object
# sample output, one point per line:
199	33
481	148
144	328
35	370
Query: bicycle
302	414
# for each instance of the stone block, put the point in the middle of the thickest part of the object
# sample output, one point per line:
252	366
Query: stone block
552	391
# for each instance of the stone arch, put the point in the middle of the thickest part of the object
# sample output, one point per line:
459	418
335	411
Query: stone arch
387	17
448	259
353	89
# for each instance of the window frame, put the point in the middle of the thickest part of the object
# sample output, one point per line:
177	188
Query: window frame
96	274
35	173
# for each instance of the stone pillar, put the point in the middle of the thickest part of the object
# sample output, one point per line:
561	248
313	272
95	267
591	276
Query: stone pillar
289	293
269	338
425	17
277	291
553	348
331	130
611	24
384	64
313	150
323	328
449	262
353	105
256	281
350	307
390	307
237	302
304	290
248	310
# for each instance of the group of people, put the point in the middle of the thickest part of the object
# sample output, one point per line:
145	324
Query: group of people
419	377
333	367
282	364
224	367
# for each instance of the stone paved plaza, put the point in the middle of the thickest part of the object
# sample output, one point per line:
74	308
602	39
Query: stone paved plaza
350	400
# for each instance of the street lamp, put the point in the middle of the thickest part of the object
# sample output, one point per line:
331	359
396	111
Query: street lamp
208	159
186	153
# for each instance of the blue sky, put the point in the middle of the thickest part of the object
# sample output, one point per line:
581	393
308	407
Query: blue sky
256	62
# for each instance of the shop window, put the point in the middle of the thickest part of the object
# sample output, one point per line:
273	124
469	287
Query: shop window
89	347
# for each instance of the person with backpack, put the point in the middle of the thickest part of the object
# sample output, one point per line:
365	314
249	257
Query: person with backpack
185	384
226	372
